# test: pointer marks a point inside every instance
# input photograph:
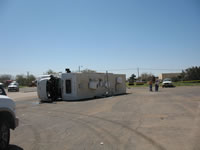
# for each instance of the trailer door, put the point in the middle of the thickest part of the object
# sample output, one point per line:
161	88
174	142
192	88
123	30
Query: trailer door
69	91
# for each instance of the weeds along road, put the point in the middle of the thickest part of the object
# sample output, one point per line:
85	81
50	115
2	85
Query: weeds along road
140	120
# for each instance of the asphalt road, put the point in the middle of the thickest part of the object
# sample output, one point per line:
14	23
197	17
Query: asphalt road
141	120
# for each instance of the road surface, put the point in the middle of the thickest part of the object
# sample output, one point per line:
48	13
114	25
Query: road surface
140	120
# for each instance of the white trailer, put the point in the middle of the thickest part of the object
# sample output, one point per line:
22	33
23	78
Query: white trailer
77	86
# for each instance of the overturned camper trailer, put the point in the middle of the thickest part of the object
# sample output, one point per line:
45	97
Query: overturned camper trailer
77	86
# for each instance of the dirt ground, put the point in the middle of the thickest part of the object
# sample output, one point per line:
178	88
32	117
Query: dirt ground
140	120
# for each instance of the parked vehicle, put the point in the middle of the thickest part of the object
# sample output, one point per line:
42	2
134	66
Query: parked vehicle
8	119
167	83
2	91
14	86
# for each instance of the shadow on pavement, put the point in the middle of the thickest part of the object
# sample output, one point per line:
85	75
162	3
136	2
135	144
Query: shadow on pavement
96	97
14	147
83	100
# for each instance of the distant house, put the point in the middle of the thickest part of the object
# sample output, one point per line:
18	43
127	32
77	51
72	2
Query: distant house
168	75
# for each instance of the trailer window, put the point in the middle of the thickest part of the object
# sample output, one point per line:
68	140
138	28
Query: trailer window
68	85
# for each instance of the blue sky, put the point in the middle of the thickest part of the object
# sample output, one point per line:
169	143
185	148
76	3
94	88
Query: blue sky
99	34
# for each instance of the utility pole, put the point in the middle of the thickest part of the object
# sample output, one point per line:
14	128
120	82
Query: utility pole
138	70
79	68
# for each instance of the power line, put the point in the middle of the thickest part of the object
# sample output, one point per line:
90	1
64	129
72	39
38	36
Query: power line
118	69
137	69
161	69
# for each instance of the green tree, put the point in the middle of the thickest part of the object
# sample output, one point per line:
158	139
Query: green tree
178	78
131	80
5	77
25	80
21	79
192	73
146	77
30	79
50	71
88	71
